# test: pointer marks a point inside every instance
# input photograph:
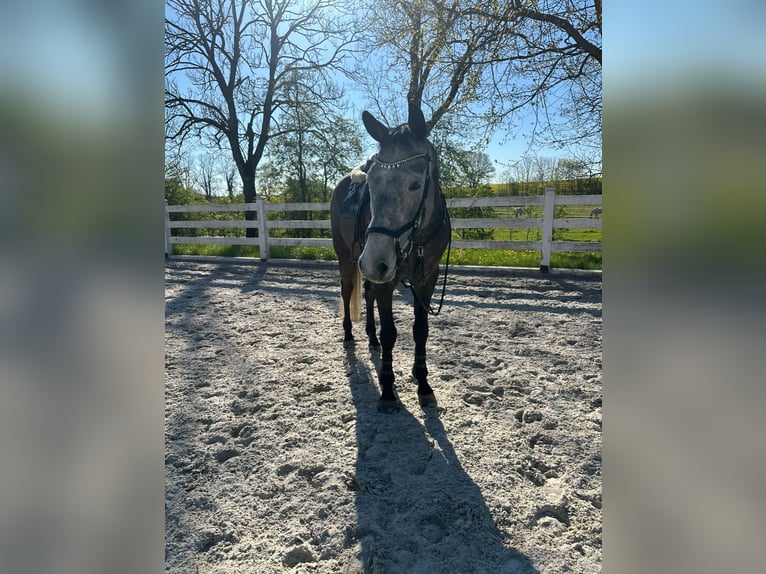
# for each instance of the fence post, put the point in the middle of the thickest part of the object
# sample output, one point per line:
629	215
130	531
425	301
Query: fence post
547	230
168	248
263	232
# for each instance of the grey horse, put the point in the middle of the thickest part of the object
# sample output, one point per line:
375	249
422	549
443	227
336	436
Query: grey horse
397	231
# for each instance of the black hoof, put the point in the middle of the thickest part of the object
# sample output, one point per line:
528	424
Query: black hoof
388	407
428	400
348	343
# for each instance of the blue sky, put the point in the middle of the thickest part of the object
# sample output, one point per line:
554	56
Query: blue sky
71	62
655	45
503	148
507	144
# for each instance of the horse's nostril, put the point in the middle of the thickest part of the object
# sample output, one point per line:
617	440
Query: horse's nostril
382	269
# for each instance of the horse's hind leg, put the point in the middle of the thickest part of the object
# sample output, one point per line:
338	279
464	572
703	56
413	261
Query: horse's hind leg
346	289
369	299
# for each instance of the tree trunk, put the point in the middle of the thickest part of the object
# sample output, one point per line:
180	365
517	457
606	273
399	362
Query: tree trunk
248	189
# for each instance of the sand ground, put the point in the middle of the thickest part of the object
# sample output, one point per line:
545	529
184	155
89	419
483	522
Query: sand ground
277	459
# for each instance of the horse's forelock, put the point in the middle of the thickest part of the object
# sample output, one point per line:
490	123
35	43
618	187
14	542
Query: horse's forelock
400	135
397	136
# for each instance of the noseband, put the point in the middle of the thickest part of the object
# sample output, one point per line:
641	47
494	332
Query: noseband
416	221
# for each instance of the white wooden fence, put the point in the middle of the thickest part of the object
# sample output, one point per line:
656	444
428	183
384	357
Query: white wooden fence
546	224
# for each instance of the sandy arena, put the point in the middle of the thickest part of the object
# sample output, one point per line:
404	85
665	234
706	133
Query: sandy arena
277	459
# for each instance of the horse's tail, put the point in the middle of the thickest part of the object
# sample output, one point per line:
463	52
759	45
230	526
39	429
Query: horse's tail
355	305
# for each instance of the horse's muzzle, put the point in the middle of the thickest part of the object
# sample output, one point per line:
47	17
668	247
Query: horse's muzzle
378	262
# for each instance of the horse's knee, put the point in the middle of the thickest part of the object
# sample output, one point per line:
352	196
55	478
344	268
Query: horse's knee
388	337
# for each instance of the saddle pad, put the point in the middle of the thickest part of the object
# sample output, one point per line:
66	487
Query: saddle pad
355	198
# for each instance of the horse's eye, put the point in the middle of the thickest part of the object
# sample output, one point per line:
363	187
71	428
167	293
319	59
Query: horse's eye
415	186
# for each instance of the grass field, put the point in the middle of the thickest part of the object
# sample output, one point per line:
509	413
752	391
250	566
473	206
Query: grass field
502	258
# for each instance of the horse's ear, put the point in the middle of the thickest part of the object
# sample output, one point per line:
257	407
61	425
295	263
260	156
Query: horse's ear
417	121
377	130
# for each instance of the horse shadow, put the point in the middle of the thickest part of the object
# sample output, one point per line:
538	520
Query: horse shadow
417	509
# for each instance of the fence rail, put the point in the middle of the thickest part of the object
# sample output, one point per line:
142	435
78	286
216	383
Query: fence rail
259	220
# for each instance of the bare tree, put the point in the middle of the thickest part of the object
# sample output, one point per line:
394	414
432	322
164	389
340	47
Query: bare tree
180	167
487	61
524	169
206	170
227	63
229	176
552	62
545	168
431	49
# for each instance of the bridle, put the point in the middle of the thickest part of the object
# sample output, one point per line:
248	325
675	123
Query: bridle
415	223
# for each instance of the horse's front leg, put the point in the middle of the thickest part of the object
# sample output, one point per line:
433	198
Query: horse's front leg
419	370
369	299
388	402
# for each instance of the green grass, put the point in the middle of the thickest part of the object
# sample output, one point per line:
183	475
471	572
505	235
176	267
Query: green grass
306	253
505	258
484	257
571	260
494	258
221	250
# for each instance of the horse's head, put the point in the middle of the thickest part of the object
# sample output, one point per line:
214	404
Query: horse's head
399	179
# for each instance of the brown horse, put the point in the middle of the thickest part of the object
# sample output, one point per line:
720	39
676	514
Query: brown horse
396	230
